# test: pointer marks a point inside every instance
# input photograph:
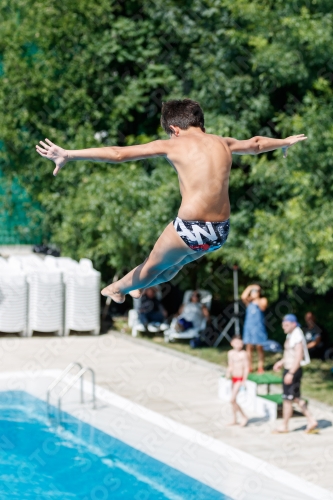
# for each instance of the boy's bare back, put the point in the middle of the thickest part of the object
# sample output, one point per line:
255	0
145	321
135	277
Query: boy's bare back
203	162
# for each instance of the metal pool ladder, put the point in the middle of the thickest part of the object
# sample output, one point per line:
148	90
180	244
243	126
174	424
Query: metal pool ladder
71	383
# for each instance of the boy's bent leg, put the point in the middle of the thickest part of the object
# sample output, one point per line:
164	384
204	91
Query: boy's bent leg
169	250
171	272
164	276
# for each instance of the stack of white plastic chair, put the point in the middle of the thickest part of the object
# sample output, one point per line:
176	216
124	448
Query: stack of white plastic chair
46	295
82	289
13	298
66	263
24	261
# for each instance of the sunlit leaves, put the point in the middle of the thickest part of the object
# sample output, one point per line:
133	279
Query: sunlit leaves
87	74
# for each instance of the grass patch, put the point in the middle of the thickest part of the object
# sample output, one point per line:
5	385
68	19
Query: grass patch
317	382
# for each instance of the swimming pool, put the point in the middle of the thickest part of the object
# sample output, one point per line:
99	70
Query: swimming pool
40	460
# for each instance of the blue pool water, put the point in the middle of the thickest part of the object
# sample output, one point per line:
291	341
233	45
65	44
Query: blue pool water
39	461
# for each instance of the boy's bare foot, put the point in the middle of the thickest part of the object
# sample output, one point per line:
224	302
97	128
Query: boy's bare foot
280	431
244	422
136	294
229	424
116	295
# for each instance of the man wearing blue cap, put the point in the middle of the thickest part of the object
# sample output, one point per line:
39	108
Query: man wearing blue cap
294	357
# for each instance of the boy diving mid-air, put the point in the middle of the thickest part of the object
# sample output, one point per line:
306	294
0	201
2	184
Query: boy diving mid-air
202	162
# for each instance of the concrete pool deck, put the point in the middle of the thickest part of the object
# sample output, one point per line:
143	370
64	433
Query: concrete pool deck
179	387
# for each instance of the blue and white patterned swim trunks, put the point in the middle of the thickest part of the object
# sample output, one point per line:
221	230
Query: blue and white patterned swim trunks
202	236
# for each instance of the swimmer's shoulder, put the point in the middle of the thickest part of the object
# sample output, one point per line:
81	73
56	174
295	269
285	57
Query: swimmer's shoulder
221	141
175	145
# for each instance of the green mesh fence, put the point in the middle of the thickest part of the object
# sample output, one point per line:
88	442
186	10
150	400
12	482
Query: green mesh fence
16	226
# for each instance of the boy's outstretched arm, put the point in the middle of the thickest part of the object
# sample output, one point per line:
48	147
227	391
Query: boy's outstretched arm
258	144
112	154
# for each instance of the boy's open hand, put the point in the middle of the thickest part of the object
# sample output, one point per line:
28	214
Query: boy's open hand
54	153
293	139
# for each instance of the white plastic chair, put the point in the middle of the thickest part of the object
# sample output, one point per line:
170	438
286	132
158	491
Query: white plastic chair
63	294
171	334
66	263
46	301
13	299
86	264
136	325
25	261
82	292
51	262
45	293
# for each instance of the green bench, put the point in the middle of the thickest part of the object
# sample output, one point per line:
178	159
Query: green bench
265	379
276	398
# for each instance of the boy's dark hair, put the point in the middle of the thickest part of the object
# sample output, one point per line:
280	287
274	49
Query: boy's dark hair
183	114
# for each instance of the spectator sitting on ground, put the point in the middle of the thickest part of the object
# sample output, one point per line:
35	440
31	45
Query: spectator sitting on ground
151	309
316	337
192	314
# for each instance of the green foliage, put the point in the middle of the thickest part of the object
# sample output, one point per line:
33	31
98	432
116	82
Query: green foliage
72	69
116	215
292	229
19	221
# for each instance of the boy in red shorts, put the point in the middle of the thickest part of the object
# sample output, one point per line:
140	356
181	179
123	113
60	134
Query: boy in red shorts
238	370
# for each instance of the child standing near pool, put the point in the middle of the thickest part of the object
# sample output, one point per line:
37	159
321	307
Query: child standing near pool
238	370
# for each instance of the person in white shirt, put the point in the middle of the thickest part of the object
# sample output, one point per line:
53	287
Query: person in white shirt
192	313
294	357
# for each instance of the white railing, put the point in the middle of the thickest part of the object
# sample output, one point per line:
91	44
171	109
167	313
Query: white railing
78	377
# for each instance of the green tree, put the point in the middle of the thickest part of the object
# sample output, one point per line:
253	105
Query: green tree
84	74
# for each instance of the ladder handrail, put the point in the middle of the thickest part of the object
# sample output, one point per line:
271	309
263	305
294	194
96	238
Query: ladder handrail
61	377
87	369
76	378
